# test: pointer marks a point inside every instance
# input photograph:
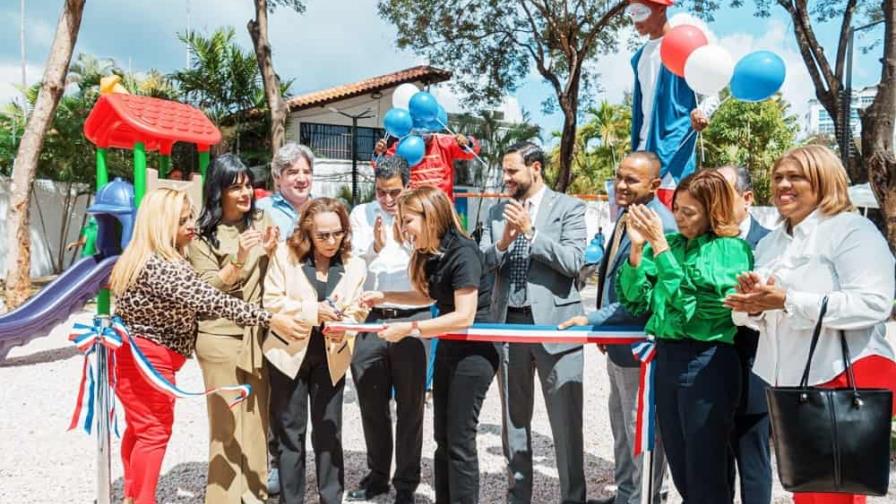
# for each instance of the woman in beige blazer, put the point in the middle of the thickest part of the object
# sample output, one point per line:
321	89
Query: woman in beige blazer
312	276
232	254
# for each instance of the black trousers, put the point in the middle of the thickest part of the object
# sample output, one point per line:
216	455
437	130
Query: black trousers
464	371
378	367
290	400
697	391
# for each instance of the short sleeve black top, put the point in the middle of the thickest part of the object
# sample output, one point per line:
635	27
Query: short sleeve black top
459	266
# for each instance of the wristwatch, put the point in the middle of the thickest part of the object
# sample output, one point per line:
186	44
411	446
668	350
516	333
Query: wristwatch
236	262
530	235
415	329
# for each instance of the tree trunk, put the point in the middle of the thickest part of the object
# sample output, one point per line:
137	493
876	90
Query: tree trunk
878	127
567	145
18	262
258	30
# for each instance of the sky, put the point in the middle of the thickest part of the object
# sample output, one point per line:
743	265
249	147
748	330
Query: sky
341	41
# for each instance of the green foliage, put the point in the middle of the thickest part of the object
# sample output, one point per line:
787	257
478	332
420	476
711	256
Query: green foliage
601	142
752	135
495	136
365	194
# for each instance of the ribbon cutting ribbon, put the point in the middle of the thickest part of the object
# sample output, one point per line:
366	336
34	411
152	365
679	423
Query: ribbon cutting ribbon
645	416
113	336
88	338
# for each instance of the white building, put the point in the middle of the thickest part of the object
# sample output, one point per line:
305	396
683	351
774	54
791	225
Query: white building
819	122
314	120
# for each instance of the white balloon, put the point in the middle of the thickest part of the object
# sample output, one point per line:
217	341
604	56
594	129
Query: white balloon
709	69
401	97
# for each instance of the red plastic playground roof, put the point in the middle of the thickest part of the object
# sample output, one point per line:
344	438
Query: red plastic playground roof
121	120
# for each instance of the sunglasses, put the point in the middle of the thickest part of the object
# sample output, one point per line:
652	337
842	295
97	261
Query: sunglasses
335	235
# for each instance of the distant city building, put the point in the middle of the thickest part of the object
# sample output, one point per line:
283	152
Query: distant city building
819	122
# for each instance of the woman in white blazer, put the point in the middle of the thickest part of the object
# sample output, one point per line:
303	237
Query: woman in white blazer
314	277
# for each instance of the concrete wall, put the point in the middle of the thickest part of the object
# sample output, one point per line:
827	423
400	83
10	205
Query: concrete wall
48	202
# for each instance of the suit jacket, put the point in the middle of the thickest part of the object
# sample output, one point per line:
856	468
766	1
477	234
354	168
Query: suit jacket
288	289
746	340
613	312
556	257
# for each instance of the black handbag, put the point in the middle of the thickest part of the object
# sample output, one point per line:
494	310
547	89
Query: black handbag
831	440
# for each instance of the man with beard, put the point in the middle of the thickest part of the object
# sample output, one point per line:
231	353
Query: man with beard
378	366
291	170
534	244
637	180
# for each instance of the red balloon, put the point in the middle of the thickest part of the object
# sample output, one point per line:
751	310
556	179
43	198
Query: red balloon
678	44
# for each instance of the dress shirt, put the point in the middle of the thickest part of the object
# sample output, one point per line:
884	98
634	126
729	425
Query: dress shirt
281	211
532	205
387	270
842	256
684	287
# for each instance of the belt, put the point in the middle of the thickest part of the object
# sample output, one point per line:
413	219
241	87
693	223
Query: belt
520	309
394	313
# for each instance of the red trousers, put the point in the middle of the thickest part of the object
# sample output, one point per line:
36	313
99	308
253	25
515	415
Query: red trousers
873	371
149	415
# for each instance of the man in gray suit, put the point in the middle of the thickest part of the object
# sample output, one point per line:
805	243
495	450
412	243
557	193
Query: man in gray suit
637	180
534	244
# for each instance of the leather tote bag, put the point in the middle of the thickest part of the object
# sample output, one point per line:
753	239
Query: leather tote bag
831	440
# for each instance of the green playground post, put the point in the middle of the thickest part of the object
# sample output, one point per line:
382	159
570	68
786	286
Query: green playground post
139	172
104	297
203	163
164	165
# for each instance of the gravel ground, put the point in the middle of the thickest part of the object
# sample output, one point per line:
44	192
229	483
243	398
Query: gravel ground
41	462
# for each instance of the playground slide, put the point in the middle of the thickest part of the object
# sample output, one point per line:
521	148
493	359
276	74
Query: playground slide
55	302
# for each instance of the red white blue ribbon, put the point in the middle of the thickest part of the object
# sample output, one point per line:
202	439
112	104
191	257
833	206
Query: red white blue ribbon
161	384
532	333
88	338
645	417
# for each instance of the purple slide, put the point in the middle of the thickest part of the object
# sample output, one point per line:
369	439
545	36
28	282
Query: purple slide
55	302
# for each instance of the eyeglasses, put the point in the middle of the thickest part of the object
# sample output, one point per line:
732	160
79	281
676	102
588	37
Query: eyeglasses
335	235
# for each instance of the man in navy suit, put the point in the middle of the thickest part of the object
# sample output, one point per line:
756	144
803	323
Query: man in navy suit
749	439
637	180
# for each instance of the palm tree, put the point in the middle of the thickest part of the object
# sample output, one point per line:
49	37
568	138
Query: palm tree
495	135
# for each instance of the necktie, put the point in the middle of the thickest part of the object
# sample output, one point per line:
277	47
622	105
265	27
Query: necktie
618	233
519	267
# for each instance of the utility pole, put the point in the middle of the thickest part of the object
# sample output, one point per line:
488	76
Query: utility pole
363	115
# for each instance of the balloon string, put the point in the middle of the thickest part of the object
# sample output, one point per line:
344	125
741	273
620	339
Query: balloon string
379	157
467	148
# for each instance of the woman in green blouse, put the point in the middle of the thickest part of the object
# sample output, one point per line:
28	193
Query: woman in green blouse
682	279
232	254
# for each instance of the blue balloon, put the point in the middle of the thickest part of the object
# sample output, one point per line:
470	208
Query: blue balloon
412	148
757	76
420	125
424	107
398	122
441	121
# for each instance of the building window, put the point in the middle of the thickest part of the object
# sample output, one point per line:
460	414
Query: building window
333	141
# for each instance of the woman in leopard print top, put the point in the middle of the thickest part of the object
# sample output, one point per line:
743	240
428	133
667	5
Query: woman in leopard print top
160	298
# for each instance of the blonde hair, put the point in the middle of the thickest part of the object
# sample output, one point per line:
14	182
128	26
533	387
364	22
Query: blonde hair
155	232
439	217
825	173
716	195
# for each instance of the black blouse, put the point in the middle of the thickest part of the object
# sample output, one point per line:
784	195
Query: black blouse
459	266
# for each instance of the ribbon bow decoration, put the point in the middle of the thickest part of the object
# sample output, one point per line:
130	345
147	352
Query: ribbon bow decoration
105	332
645	416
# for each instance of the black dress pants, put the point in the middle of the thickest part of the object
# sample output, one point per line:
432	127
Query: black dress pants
290	400
697	391
378	368
464	371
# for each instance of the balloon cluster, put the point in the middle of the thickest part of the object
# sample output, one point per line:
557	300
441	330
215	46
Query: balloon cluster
413	112
708	68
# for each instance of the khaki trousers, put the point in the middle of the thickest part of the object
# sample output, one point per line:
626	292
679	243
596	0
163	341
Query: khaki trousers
237	458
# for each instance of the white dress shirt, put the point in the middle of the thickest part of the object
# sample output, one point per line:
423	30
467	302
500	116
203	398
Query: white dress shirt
842	256
532	205
387	270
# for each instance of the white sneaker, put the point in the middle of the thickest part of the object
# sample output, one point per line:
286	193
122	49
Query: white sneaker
274	481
